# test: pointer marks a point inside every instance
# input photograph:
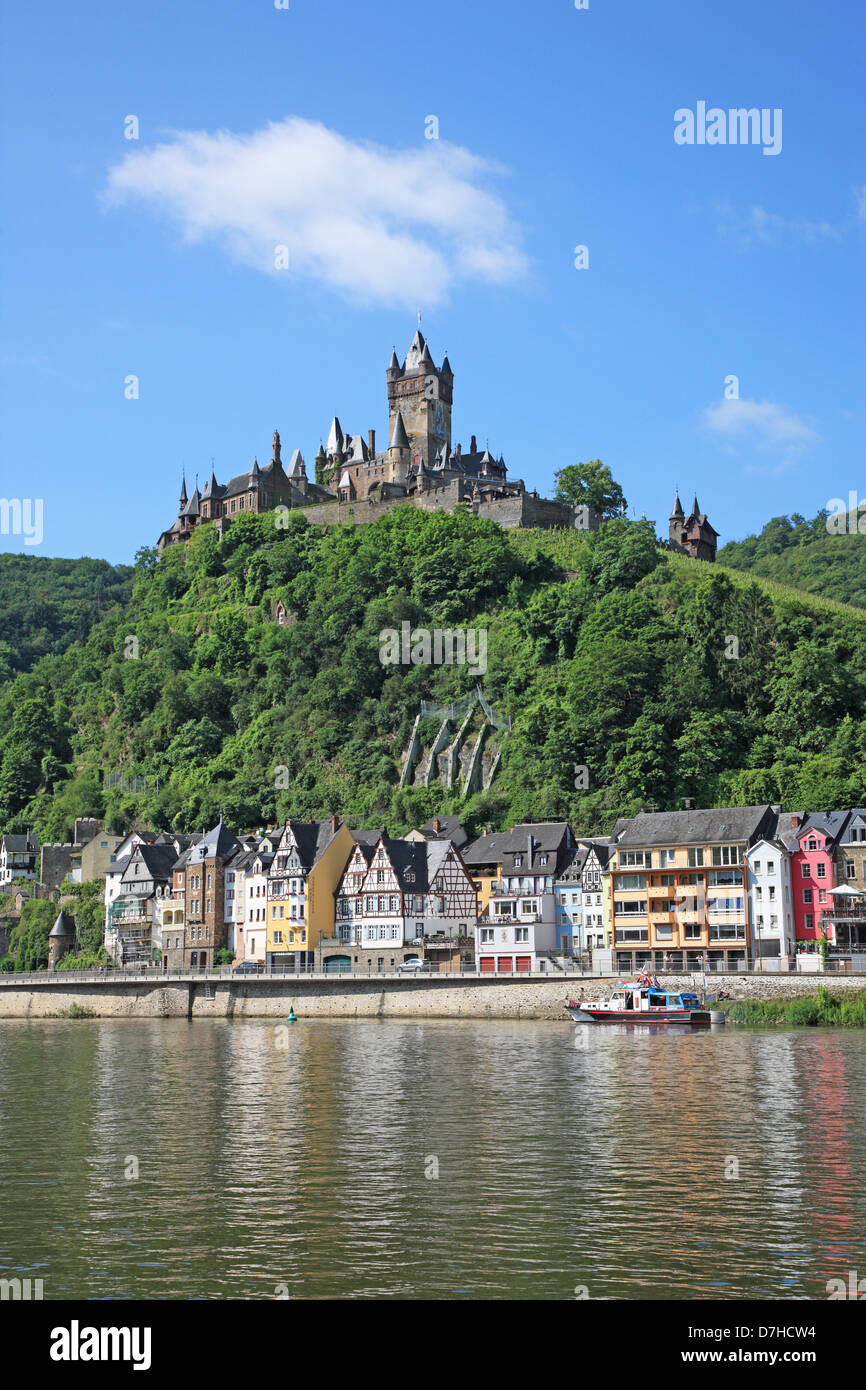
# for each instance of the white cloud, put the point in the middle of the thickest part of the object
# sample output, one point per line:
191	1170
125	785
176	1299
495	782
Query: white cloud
759	421
392	227
762	426
758	226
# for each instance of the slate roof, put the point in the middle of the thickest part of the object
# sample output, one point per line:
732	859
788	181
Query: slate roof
548	837
20	844
719	826
571	870
159	860
63	925
449	829
829	823
858	811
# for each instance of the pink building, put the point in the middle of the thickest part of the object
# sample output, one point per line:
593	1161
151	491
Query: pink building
813	873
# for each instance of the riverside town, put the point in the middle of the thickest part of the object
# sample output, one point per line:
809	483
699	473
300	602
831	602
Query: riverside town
729	890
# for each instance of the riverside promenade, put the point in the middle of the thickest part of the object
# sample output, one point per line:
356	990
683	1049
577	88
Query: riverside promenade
216	994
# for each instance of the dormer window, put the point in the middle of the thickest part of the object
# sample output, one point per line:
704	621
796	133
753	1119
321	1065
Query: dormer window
518	860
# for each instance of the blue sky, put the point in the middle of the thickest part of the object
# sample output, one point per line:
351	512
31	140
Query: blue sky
306	127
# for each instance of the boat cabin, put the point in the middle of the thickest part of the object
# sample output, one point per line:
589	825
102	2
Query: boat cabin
642	999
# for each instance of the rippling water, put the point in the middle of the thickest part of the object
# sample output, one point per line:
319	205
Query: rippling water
570	1158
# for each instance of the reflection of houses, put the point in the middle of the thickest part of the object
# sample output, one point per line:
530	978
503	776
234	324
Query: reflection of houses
398	899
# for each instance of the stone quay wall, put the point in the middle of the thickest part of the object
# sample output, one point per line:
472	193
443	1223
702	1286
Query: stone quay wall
464	996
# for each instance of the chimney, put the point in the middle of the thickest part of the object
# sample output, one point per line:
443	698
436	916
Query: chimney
335	825
372	441
437	826
795	820
473	447
459	450
529	861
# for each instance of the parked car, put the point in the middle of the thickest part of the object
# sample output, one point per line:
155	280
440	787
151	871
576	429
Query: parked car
414	964
248	967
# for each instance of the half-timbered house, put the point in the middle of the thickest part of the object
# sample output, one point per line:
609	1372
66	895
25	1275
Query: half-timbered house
401	898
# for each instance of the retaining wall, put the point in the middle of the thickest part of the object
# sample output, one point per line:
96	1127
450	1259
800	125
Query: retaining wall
466	996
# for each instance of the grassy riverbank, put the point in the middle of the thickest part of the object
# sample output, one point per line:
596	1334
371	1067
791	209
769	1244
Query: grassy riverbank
819	1010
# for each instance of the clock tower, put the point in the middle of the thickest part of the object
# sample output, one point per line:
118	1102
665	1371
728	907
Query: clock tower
422	393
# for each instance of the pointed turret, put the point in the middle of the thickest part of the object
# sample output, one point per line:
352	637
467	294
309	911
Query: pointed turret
297	467
210	486
255	472
677	509
399	438
394	364
445	369
335	439
183	496
415	353
696	511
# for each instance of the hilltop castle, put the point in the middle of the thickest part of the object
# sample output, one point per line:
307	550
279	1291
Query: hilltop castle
691	535
353	481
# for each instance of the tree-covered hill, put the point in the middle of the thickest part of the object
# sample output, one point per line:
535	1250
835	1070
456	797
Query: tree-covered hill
804	555
663	677
45	605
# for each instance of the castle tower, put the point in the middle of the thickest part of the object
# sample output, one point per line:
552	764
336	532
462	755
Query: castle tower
399	451
61	939
422	393
677	517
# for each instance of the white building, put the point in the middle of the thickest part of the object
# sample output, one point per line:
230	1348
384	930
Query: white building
401	895
768	865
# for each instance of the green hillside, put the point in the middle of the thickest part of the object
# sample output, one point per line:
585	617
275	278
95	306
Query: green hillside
605	651
801	553
45	605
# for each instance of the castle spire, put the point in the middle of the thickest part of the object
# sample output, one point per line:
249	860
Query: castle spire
183	496
276	459
399	438
677	508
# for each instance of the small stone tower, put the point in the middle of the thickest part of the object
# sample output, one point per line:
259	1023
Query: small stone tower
61	939
422	393
692	535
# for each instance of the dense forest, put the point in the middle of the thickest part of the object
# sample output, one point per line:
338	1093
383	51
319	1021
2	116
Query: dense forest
49	604
803	554
662	676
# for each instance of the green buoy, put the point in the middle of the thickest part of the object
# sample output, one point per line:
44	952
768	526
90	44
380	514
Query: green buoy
291	1017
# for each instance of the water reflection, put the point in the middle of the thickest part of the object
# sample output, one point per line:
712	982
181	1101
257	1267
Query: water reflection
660	1162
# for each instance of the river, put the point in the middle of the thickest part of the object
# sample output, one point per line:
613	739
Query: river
433	1159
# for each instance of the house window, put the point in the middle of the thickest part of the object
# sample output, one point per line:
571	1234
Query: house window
807	895
521	934
822	870
696	858
807	872
518	860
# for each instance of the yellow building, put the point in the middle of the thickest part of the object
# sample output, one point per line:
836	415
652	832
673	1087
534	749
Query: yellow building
308	864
